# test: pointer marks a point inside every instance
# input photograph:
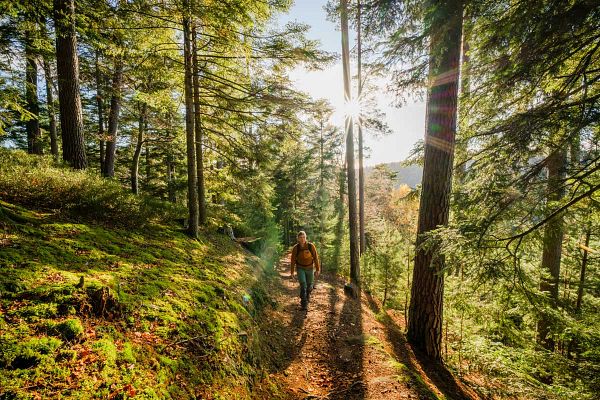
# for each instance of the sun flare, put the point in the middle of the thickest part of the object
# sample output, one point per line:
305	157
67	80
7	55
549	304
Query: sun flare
352	109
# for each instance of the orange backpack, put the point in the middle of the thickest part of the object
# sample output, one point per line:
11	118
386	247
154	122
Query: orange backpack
311	248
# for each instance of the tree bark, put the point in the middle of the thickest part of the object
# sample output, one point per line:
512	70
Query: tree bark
461	149
361	170
198	132
552	251
49	94
67	66
113	119
50	105
171	177
189	125
427	292
354	245
584	262
135	164
34	134
100	107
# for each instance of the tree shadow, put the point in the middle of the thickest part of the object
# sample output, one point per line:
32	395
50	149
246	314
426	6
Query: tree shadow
345	340
291	337
418	363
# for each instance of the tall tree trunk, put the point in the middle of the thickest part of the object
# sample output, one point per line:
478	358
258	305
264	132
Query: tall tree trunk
67	67
354	245
49	95
34	134
171	177
147	166
113	119
553	237
584	262
189	125
100	107
461	148
198	132
427	292
361	170
50	105
135	164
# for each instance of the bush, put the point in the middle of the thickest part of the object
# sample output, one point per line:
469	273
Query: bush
39	182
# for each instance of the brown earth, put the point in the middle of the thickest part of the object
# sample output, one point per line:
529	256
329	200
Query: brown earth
344	348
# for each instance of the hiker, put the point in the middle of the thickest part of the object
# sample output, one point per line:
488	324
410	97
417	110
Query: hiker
306	261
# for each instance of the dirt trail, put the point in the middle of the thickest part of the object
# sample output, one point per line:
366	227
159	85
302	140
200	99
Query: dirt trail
339	349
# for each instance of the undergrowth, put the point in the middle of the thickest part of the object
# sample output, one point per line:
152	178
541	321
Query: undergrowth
94	306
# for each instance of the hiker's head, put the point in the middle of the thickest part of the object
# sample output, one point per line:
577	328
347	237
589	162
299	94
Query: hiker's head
302	237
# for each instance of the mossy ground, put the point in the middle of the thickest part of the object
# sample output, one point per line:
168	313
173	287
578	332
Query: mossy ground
89	309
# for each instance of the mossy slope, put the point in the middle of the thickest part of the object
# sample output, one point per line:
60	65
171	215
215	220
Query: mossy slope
96	310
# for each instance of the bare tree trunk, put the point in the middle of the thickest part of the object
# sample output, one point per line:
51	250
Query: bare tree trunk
573	344
34	134
584	262
135	164
427	292
198	132
189	125
67	66
113	119
354	245
553	237
100	106
147	165
361	170
50	105
461	148
171	177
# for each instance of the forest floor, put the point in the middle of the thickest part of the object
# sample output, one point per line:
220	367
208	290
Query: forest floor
345	348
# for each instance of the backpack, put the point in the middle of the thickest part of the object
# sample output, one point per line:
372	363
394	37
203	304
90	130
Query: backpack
311	248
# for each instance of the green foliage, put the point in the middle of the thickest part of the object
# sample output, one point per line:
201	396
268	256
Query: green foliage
40	183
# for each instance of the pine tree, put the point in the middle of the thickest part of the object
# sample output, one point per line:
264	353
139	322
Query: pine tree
427	293
67	61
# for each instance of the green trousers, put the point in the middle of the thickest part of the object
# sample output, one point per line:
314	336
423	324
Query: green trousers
306	277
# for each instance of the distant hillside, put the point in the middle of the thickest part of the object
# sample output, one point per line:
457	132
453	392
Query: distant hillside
410	175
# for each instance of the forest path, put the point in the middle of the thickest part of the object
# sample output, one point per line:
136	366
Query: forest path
344	348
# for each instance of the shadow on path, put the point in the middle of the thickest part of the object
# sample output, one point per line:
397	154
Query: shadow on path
418	363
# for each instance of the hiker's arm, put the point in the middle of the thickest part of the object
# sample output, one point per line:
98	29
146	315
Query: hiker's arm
293	261
317	260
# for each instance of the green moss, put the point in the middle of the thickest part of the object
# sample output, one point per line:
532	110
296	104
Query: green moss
107	350
127	354
69	329
169	289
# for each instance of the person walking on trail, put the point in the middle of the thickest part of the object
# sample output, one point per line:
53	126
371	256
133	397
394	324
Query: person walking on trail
305	261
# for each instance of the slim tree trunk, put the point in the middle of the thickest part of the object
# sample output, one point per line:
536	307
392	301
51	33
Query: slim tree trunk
361	170
354	245
34	134
171	177
427	292
113	119
100	107
461	148
198	132
50	105
67	66
135	164
552	251
584	262
49	96
189	125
